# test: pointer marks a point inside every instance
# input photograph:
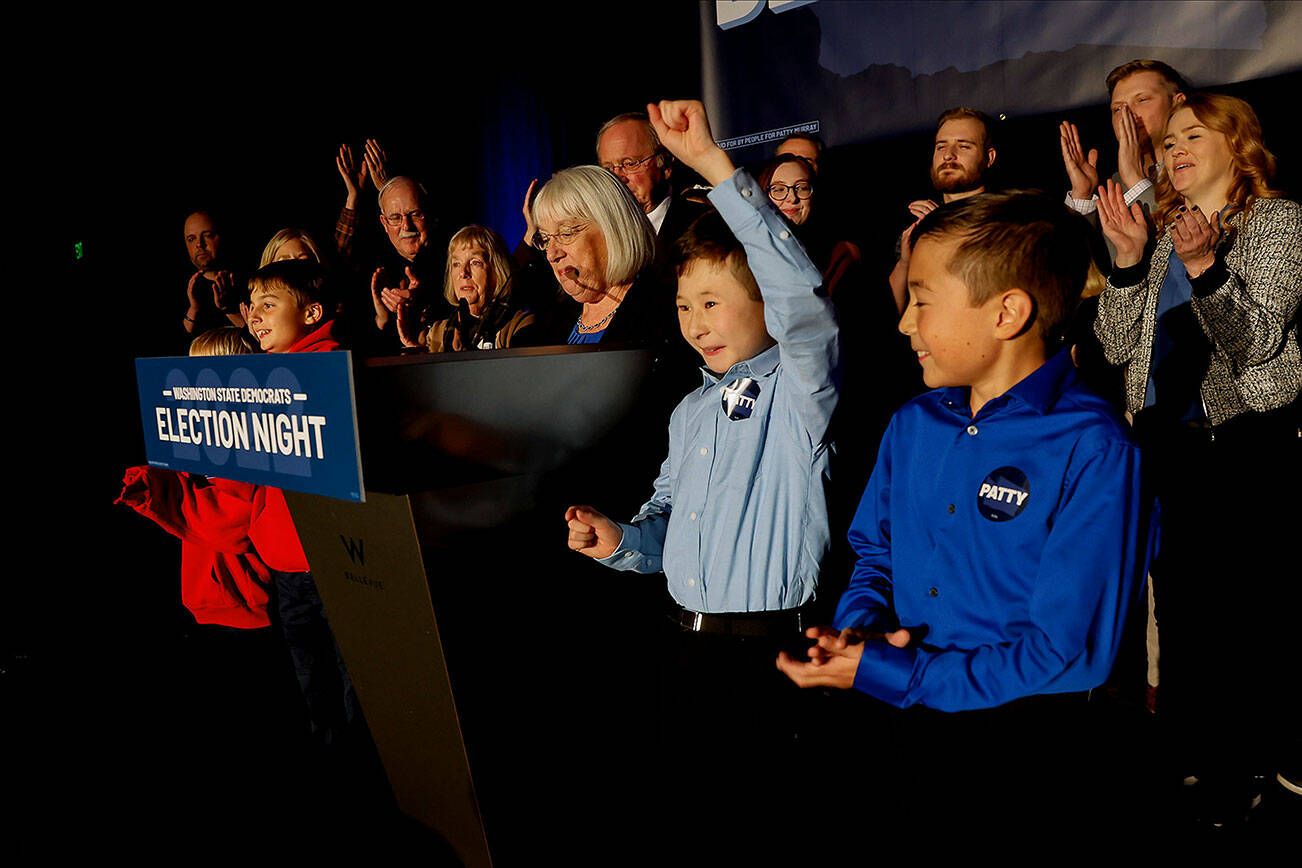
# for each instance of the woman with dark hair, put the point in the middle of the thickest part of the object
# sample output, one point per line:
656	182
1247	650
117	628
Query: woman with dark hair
1207	333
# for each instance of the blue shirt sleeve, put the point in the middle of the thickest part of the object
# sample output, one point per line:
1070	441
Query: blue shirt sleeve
641	549
1093	561
867	601
798	317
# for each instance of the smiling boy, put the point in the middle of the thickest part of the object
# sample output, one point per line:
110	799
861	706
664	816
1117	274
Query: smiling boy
286	312
738	519
1002	534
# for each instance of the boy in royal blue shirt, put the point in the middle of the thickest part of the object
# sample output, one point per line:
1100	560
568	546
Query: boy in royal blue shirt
1000	540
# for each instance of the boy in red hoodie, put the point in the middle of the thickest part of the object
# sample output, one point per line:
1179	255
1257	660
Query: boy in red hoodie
220	521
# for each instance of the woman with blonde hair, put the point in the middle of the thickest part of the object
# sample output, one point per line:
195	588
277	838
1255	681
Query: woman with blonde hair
290	244
477	282
1207	333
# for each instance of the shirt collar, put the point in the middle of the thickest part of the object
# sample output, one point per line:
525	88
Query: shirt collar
1039	390
657	214
756	366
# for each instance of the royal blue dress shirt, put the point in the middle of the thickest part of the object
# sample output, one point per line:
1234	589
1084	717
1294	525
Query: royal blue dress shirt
738	520
1010	544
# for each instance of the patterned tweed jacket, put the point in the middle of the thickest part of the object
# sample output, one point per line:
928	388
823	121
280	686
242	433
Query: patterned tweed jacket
1247	304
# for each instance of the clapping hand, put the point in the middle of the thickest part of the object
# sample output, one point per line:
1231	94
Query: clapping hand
1082	168
1194	239
354	175
1126	228
377	162
1130	149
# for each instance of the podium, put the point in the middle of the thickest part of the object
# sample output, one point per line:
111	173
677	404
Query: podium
479	645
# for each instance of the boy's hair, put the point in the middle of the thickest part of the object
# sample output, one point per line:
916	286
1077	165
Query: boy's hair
224	341
819	145
987	122
709	238
303	280
1017	238
1125	70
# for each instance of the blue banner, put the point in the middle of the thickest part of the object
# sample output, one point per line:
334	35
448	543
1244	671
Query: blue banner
284	420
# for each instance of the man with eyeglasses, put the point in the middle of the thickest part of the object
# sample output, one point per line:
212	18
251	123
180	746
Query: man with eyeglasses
415	278
628	146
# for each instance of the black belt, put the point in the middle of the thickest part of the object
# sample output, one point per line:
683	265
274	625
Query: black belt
783	622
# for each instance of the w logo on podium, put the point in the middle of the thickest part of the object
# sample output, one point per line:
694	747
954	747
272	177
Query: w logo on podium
739	398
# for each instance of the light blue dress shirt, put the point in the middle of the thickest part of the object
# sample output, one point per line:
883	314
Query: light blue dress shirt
738	521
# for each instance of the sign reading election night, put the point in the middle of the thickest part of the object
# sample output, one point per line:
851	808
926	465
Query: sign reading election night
286	420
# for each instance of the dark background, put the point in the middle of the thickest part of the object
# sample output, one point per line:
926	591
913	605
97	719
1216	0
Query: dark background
144	125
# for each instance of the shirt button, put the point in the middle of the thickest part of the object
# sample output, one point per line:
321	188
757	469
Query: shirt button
784	235
972	429
692	516
704	450
746	192
933	592
691	583
648	562
629	554
950	509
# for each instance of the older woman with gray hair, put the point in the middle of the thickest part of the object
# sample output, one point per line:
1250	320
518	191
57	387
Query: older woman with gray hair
600	247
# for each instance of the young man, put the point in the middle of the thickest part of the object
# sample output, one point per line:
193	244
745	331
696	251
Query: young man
1141	95
963	152
738	521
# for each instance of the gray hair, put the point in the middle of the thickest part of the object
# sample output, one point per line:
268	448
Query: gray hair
591	194
420	189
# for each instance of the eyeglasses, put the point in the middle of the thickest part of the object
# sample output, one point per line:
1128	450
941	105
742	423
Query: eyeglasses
564	237
396	219
629	166
802	189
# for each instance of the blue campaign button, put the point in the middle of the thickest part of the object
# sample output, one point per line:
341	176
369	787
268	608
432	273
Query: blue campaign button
739	398
1003	494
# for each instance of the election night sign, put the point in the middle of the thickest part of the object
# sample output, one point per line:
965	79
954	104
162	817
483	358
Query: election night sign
286	420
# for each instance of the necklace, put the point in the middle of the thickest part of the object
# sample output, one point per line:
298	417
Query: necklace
596	326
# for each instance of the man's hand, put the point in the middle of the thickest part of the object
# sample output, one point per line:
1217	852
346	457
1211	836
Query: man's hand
387	299
223	291
591	533
530	228
354	175
834	657
920	208
1130	149
192	293
1082	169
1126	228
684	130
409	330
377	163
1194	239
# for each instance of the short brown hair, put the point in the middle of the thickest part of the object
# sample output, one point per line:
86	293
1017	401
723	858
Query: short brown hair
1017	238
708	238
1173	79
987	122
303	280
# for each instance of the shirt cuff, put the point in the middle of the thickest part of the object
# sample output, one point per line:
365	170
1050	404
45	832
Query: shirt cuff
1136	191
628	555
739	198
885	671
1082	206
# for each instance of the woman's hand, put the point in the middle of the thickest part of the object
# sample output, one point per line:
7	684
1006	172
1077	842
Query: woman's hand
684	130
530	228
1194	239
1126	228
